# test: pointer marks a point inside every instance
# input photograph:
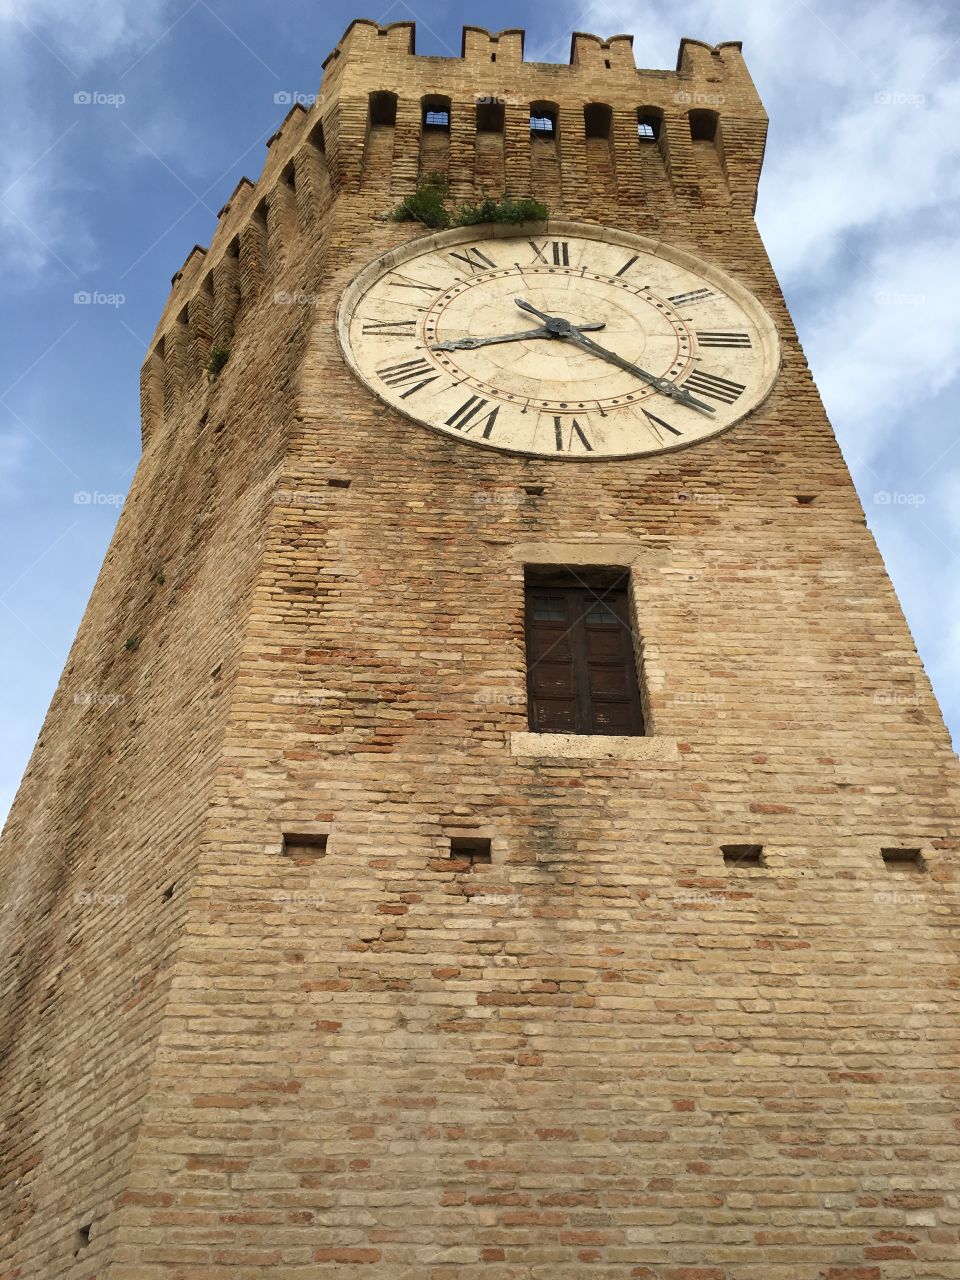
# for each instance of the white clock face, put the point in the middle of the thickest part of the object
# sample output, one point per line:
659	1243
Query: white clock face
564	341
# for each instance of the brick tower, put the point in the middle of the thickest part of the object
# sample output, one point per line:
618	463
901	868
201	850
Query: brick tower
347	931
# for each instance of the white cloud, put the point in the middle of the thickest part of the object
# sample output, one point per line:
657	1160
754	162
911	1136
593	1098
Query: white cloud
841	157
46	46
886	342
83	32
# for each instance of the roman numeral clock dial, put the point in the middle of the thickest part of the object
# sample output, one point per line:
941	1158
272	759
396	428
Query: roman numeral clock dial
574	342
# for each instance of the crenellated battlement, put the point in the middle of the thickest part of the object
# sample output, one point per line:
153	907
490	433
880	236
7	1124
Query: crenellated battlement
596	138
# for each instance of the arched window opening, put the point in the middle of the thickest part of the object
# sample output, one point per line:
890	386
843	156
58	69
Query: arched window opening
649	124
597	120
435	113
543	120
490	117
383	108
703	126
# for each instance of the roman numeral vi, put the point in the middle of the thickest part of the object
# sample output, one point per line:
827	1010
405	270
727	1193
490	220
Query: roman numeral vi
575	431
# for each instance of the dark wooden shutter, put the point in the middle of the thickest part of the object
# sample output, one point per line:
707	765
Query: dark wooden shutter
581	674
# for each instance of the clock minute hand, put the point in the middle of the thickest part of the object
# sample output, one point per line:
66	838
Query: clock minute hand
565	329
667	388
470	344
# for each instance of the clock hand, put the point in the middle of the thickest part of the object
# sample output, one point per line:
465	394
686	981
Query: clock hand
470	344
660	384
563	328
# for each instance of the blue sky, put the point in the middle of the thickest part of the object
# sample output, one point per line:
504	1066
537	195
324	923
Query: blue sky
105	197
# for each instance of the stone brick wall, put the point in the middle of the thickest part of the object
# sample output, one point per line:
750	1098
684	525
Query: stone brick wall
611	1052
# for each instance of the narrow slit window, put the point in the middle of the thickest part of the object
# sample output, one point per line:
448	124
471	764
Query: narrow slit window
581	668
903	859
476	850
304	848
742	855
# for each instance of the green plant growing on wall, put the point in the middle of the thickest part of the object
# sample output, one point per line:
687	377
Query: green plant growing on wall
217	358
502	210
428	204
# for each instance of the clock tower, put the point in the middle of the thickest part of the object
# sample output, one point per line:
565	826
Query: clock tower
494	821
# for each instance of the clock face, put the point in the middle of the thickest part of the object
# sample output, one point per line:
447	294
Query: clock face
564	341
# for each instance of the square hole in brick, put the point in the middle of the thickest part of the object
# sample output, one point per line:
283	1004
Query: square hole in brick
339	482
304	849
83	1237
476	850
805	499
534	490
740	856
897	859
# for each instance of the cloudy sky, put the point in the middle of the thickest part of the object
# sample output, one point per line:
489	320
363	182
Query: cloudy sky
129	122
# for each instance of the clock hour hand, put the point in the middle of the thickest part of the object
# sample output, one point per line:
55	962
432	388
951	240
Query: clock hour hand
563	328
470	344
